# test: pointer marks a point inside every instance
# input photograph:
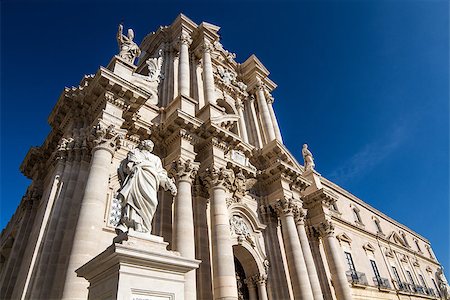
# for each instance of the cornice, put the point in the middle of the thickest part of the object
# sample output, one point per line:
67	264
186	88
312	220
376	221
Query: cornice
383	239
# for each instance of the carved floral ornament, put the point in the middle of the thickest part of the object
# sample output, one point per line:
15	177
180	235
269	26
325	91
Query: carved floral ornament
184	169
325	229
284	207
240	228
106	137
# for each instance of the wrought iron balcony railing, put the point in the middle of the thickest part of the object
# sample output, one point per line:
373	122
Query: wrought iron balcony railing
355	277
382	283
403	286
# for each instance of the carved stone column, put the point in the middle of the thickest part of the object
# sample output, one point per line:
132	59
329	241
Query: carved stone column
105	142
257	132
183	65
296	262
224	281
261	282
242	127
335	261
274	119
310	266
208	76
251	286
264	111
183	223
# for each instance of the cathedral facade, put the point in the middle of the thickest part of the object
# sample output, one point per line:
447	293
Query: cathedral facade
247	221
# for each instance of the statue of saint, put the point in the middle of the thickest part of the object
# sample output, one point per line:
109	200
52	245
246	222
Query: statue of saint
129	50
308	158
141	174
442	283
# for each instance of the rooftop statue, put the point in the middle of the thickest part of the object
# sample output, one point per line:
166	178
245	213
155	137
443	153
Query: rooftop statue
442	283
308	158
129	50
141	174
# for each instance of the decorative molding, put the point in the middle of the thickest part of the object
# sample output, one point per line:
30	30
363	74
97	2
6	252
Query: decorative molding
285	207
369	247
325	229
184	170
344	238
105	137
216	177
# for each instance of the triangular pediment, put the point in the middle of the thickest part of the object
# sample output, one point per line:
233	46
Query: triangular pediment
396	238
369	247
344	238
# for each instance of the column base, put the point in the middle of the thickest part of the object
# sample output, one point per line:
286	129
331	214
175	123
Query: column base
138	268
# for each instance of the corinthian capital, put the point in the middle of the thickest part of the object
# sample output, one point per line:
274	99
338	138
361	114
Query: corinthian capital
325	229
299	215
207	47
284	207
184	170
219	177
184	39
105	137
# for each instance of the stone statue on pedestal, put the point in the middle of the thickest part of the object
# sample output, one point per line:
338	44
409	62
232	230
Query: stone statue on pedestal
308	158
442	283
129	50
141	174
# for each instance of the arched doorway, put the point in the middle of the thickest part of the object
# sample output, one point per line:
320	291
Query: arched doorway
250	276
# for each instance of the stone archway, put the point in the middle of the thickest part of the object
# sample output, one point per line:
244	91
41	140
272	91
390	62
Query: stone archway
251	281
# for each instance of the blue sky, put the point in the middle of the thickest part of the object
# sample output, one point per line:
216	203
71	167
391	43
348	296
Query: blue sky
364	83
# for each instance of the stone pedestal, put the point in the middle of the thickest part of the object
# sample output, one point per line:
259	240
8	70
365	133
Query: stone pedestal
138	268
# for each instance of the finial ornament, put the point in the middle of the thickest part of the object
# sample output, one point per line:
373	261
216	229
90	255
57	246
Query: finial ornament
308	158
129	50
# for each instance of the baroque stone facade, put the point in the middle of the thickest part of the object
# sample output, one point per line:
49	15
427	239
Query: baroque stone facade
262	225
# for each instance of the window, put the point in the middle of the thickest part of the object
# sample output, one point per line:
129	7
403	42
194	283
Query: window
404	238
429	251
422	281
397	277
435	286
411	280
356	215
375	270
350	263
377	224
417	244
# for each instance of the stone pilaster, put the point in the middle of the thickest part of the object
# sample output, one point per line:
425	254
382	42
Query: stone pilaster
265	114
208	76
296	262
310	266
261	283
183	223
257	131
104	141
183	65
242	126
273	117
224	281
335	260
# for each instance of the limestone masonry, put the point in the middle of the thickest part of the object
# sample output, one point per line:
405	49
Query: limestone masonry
237	217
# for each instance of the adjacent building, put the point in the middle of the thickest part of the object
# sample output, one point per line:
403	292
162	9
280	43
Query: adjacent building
262	225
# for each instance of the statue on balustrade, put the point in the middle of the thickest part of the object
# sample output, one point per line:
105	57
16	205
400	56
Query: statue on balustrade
308	158
141	174
129	50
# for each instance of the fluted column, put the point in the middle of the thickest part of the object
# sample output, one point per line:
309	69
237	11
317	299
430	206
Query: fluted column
261	282
335	261
264	111
183	65
224	276
257	133
296	262
242	127
183	223
274	119
310	266
208	76
90	220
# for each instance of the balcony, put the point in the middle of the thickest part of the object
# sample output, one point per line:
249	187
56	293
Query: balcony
382	283
419	289
356	278
430	292
403	286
